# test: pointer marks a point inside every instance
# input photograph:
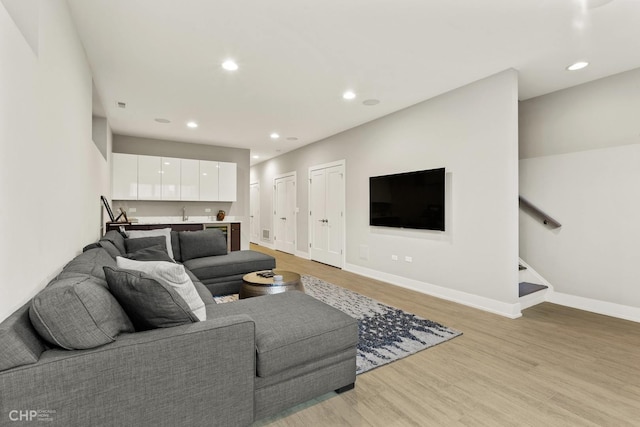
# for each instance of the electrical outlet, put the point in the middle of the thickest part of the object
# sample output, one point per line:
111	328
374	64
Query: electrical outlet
408	259
394	257
132	210
207	210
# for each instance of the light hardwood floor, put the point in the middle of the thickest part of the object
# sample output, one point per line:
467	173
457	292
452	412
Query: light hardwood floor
555	366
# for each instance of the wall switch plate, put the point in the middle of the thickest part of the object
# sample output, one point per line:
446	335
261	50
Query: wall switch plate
394	257
408	259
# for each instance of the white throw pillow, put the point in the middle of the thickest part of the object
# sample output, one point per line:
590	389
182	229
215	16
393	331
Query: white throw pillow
166	232
173	275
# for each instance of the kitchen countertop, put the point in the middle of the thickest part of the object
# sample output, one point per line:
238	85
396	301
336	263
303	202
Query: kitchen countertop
178	220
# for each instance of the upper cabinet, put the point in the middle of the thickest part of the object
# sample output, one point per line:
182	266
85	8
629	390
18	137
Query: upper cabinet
189	179
149	178
138	177
209	190
170	178
124	183
227	177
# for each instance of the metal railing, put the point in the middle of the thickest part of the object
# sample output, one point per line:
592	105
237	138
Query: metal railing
546	219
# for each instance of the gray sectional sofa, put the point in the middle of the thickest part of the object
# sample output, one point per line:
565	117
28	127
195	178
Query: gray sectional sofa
74	357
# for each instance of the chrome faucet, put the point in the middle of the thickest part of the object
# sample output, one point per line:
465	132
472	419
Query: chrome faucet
184	213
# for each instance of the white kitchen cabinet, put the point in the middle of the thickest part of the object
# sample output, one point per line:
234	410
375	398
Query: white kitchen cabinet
189	179
149	178
124	183
209	181
170	178
227	178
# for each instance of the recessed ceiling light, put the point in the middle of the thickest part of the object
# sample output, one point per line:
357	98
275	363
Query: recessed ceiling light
292	138
192	125
162	120
371	102
256	157
230	65
577	66
349	95
274	135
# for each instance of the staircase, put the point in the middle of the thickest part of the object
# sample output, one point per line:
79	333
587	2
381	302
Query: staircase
532	288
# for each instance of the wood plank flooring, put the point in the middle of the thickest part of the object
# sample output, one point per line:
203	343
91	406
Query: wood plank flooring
555	366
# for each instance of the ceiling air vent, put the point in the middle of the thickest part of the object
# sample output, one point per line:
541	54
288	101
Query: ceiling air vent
121	104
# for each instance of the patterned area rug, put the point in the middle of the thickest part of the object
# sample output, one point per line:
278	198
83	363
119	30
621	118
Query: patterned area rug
387	334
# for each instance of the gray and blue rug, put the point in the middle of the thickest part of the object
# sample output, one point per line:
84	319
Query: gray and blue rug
387	333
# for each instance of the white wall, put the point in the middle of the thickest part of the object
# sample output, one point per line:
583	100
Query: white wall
51	173
472	132
581	164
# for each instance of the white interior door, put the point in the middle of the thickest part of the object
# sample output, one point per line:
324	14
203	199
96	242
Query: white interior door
326	216
254	212
284	219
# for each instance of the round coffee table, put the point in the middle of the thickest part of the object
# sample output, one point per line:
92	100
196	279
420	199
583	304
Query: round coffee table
254	285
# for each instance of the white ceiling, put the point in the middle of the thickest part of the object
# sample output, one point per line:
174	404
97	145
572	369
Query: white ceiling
297	57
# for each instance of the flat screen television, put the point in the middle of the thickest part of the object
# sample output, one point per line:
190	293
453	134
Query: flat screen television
408	200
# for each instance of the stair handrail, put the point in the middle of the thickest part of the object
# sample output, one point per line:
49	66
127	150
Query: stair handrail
546	219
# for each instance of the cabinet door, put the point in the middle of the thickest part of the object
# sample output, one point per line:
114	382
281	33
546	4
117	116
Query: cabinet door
227	182
149	178
124	182
170	178
208	181
189	179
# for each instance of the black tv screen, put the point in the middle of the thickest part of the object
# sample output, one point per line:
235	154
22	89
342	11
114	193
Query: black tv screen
408	200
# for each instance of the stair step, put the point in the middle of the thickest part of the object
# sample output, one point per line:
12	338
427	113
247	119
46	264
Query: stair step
526	288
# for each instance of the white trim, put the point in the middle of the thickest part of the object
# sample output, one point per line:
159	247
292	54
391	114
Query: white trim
266	244
343	164
304	255
259	220
535	274
620	311
294	175
534	298
512	311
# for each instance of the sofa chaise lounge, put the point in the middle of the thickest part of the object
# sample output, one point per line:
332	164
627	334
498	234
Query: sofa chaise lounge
249	359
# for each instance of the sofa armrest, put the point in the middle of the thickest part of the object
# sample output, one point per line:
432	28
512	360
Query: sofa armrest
197	374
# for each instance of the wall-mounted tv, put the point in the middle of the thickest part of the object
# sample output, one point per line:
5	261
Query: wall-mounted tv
408	200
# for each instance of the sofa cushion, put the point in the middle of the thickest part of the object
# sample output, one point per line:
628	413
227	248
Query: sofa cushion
233	263
175	246
204	293
78	313
21	344
203	243
292	329
134	245
152	253
116	239
110	248
150	303
169	274
90	262
166	232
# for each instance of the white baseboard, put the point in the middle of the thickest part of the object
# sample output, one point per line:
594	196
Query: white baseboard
533	299
511	311
620	311
304	255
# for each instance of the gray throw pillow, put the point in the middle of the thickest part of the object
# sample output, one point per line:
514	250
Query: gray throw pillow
152	253
149	303
135	244
199	244
78	313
